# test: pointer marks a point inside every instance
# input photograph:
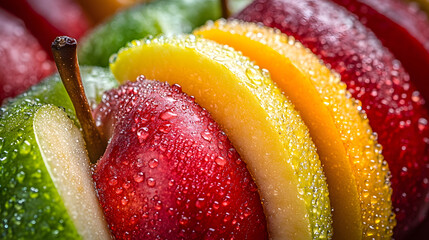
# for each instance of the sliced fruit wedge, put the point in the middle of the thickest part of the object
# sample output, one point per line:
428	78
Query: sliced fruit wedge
261	123
356	172
45	177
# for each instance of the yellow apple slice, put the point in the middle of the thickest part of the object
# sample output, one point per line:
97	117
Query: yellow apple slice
356	172
261	123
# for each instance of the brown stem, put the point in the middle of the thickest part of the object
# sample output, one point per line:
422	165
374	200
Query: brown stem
65	55
226	13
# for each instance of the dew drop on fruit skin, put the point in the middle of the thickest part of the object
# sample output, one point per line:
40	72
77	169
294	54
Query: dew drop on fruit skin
174	179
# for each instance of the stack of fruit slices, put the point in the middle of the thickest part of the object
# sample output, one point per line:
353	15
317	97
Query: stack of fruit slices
169	171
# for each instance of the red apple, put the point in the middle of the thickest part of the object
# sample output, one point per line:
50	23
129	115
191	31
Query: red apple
395	109
23	62
47	19
403	29
169	172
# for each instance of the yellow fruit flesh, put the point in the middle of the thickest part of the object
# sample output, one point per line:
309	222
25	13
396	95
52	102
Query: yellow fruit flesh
260	122
356	172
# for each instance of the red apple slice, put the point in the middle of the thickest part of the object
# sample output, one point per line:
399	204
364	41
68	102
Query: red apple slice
169	171
394	107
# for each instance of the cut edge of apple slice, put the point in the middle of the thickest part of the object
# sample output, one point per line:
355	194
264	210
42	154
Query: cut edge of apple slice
261	123
63	151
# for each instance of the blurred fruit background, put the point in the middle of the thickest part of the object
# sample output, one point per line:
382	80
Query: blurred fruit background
370	38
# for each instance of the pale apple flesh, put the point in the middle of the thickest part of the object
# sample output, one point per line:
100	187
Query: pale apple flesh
63	151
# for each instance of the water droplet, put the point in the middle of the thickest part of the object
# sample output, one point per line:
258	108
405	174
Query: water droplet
1	142
158	205
165	128
119	190
25	148
151	182
153	163
124	201
254	76
20	176
216	205
423	122
126	185
139	177
183	220
171	183
206	136
167	115
113	181
143	134
220	161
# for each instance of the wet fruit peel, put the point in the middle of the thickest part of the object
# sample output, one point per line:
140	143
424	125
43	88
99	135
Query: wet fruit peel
29	200
261	123
364	153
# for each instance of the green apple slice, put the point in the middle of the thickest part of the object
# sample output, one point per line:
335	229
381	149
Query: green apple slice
45	177
261	123
162	16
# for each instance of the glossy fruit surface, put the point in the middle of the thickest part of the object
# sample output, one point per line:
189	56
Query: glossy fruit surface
51	90
261	123
407	26
45	176
23	62
169	171
394	107
330	113
163	16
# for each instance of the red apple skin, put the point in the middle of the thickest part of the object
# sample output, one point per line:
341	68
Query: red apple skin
47	19
394	107
403	29
23	62
169	172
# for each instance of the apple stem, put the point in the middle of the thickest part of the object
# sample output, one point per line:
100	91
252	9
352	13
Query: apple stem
65	56
226	13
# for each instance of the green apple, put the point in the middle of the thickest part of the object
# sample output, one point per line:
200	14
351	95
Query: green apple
46	183
162	16
51	90
45	178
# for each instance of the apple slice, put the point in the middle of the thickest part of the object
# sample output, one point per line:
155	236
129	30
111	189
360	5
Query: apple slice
163	16
321	98
261	123
394	107
45	177
169	172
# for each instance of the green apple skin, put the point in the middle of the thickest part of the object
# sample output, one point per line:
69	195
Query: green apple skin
153	18
96	81
29	202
